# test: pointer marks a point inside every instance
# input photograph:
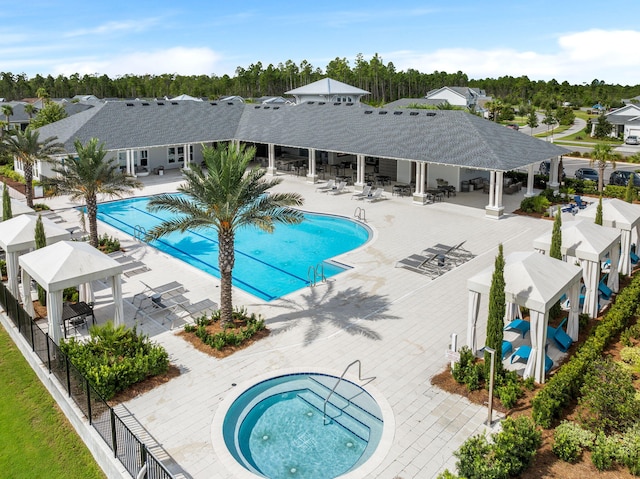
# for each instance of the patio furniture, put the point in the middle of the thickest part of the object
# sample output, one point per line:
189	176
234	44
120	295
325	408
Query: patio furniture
579	201
375	196
206	307
337	190
605	291
519	325
366	191
523	352
328	185
75	315
561	338
168	289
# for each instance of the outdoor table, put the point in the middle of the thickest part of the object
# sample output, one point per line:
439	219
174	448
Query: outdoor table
75	311
382	179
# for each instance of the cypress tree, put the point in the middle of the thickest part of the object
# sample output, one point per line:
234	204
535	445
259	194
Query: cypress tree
41	242
556	252
599	212
495	321
630	192
6	203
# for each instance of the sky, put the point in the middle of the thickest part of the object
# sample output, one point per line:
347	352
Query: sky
566	40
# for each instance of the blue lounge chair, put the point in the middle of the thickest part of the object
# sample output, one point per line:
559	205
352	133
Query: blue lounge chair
562	339
581	204
634	257
519	325
523	353
605	291
507	348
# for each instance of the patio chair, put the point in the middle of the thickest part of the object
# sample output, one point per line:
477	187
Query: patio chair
519	325
523	352
206	307
168	289
634	257
605	291
560	337
366	191
338	189
159	305
327	186
375	196
581	204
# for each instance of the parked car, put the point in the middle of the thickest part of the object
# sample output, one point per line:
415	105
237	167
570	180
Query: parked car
545	166
513	126
632	140
587	174
621	178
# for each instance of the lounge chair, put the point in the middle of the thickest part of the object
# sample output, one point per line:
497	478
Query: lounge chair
560	337
168	289
420	264
579	201
375	196
206	307
634	257
169	307
338	189
327	186
605	291
519	325
366	191
523	352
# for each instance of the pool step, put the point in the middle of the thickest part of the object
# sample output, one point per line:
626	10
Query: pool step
336	414
355	399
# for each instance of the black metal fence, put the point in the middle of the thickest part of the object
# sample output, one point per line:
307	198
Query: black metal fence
126	447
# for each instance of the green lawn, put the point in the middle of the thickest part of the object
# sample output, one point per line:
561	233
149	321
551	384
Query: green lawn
36	438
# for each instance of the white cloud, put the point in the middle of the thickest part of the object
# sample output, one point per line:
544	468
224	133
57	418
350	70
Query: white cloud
184	61
137	25
580	57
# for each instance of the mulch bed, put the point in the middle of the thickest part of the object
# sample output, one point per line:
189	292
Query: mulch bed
16	185
215	328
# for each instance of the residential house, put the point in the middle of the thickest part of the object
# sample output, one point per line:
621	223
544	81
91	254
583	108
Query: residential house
327	90
471	98
625	121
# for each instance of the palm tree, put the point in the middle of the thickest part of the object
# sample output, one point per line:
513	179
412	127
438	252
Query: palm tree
226	197
87	174
30	110
602	154
7	111
26	147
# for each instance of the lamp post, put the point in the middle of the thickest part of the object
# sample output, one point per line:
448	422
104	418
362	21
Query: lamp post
492	352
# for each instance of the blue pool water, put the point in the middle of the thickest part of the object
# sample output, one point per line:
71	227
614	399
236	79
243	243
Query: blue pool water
277	428
268	265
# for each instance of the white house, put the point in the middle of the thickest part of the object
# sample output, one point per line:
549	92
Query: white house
465	97
625	121
327	90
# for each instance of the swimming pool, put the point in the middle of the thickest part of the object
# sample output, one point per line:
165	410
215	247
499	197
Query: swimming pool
268	265
277	427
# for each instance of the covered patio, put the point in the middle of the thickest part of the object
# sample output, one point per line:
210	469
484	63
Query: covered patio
17	236
622	216
591	245
67	264
535	282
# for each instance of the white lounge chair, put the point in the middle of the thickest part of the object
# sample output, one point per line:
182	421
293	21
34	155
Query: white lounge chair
338	189
366	191
376	195
327	186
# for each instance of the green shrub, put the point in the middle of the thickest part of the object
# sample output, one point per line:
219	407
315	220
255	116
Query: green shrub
509	394
3	267
446	474
628	452
608	403
569	439
615	191
115	358
460	368
535	204
231	335
70	294
632	332
510	454
603	452
108	244
7	172
474	377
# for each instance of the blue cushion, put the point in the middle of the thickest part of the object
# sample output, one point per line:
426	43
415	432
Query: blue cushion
519	325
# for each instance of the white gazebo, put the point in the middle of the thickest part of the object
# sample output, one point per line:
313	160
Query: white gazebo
20	208
622	216
536	282
63	265
590	244
17	235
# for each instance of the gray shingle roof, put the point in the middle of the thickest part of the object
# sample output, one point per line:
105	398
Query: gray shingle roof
447	137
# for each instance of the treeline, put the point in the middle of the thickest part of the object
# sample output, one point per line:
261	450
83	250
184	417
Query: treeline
382	80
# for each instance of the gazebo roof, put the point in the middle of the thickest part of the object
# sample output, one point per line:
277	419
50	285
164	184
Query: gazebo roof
68	263
18	234
532	280
615	214
582	239
20	208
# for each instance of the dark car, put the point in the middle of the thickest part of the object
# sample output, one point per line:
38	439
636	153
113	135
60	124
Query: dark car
545	166
587	174
513	126
621	178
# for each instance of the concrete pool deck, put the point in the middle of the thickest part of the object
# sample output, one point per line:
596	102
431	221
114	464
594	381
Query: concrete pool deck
396	322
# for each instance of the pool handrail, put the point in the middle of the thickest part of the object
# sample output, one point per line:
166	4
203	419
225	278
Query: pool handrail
360	378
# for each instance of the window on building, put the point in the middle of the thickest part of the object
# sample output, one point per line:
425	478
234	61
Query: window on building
144	157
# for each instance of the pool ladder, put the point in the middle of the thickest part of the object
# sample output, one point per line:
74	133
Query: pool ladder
139	233
360	214
315	274
360	378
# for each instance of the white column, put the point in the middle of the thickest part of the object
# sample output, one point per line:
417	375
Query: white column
360	166
419	196
530	178
311	176
271	169
499	187
187	158
553	173
492	189
130	168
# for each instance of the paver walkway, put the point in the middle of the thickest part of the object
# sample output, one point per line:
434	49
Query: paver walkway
397	322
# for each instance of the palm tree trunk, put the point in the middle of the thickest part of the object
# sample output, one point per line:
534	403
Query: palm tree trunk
226	259
92	213
28	182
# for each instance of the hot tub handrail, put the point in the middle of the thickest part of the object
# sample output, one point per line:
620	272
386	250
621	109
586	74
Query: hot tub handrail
360	378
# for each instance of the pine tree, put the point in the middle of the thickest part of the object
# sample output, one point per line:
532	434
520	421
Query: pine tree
6	204
41	242
630	192
599	212
556	252
495	321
